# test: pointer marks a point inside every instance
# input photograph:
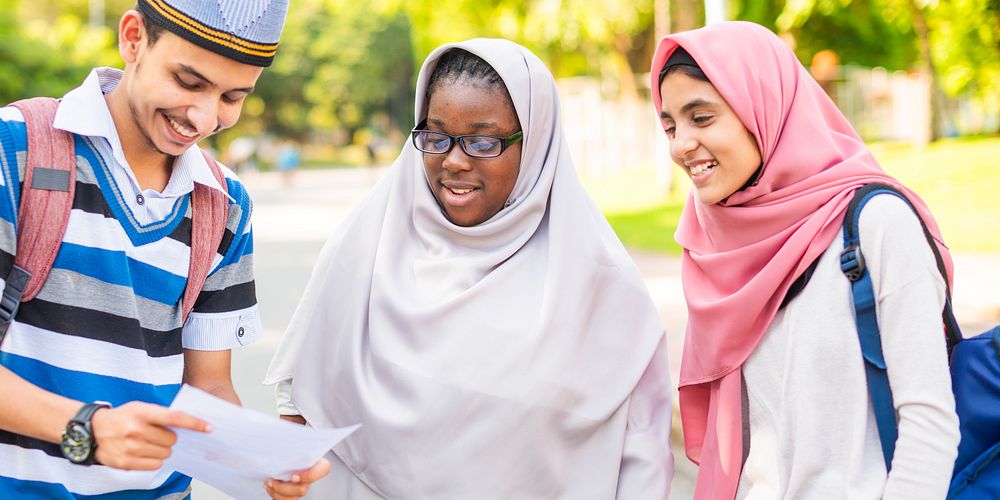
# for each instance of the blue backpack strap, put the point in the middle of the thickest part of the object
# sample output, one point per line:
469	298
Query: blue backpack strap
852	263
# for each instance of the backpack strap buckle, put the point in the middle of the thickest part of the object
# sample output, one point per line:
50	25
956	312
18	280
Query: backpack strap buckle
13	289
852	262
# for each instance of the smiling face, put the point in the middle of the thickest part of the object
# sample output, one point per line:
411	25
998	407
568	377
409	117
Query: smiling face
707	139
177	93
471	190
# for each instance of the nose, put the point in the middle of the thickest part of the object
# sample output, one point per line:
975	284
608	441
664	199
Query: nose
456	160
683	143
204	115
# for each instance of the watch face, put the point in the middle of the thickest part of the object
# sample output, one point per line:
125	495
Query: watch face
76	443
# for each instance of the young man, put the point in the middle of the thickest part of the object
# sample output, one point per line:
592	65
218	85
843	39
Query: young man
103	348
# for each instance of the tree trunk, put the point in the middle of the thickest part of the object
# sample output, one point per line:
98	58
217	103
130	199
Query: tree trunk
995	7
661	18
684	15
927	64
687	15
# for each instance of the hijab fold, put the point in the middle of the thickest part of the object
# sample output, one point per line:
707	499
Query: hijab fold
742	254
491	360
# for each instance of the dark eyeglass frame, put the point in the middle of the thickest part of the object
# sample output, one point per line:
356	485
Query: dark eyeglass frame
505	142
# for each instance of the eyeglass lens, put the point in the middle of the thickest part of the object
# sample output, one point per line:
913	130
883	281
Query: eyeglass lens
434	142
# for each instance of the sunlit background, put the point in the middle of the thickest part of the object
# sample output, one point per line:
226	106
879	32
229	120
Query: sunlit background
919	79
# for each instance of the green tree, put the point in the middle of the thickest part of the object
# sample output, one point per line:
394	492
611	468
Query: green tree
599	38
955	42
965	36
339	63
40	57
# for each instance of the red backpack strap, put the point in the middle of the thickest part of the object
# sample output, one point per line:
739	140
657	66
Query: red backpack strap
46	201
208	226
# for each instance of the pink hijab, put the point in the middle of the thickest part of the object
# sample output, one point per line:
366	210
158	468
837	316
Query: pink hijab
742	255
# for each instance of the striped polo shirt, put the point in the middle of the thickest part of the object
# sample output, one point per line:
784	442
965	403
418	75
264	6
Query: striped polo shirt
107	325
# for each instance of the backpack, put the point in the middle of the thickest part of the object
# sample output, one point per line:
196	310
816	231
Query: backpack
974	362
47	199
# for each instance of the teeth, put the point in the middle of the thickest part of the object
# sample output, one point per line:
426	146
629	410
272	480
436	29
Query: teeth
181	130
702	168
460	191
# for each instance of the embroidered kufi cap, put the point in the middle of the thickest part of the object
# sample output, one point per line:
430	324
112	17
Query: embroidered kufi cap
246	31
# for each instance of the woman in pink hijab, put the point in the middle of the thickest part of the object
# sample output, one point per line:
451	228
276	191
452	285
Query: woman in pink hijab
773	395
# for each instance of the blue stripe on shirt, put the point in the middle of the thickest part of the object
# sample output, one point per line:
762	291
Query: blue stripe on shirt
117	268
83	386
13	138
137	232
237	249
17	488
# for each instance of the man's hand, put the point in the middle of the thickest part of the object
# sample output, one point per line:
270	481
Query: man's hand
298	486
295	419
134	436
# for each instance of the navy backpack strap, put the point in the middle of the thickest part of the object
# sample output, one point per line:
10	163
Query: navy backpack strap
852	262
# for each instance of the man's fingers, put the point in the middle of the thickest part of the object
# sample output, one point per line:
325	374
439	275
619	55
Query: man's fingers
159	436
314	473
141	464
170	418
299	483
283	489
295	419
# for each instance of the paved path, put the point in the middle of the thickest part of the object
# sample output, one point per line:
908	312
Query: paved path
292	221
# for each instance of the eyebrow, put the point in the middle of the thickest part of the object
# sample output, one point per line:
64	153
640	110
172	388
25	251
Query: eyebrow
188	69
474	126
688	107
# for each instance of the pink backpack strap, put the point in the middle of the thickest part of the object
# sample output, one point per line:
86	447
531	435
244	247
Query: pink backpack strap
208	226
46	201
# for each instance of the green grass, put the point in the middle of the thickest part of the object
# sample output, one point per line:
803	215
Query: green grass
651	229
960	181
958	178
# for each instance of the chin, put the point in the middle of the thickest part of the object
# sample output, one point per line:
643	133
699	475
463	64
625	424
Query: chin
462	219
459	221
169	148
706	199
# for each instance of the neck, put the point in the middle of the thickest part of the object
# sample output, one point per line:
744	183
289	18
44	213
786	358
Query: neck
151	168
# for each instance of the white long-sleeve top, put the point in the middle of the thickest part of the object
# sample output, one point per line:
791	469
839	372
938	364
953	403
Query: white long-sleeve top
812	430
646	468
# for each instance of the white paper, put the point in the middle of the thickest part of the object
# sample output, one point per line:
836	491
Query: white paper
245	447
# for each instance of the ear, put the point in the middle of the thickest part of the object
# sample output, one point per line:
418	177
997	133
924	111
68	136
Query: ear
131	34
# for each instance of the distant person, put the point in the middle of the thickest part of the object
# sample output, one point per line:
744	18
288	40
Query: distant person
88	367
477	314
773	393
373	145
288	159
241	153
825	69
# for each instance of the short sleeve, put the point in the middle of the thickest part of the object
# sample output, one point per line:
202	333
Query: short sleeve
13	148
226	313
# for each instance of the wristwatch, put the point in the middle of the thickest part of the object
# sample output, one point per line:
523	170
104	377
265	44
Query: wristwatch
78	444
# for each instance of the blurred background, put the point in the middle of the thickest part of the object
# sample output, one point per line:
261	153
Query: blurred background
919	79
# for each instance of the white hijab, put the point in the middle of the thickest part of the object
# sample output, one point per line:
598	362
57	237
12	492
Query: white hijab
483	362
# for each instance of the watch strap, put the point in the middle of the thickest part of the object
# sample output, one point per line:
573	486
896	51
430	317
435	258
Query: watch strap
83	417
87	412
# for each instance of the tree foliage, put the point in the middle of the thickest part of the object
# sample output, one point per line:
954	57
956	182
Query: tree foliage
343	65
47	57
966	44
339	63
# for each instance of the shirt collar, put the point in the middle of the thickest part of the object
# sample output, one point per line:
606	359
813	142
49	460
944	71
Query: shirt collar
84	111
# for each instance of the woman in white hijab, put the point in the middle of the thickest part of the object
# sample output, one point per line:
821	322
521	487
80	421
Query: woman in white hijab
477	314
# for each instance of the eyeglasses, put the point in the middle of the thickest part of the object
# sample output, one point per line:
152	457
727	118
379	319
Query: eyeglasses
474	145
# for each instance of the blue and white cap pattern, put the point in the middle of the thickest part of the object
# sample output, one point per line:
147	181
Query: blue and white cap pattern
244	30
